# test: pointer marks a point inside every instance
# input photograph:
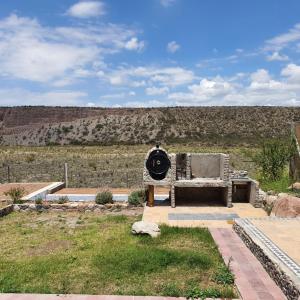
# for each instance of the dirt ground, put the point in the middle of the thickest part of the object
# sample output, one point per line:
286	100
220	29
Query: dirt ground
29	188
92	191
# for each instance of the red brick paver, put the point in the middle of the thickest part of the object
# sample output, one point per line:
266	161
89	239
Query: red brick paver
251	279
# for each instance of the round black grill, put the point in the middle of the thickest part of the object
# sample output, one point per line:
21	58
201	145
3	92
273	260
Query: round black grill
158	164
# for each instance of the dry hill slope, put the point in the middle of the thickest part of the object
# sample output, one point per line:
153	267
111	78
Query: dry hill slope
74	125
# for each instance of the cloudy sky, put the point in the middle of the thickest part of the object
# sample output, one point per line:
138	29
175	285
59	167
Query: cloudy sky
149	52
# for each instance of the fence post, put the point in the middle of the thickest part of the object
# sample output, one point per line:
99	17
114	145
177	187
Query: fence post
8	173
66	175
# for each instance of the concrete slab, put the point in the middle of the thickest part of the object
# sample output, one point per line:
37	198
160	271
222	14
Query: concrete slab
160	214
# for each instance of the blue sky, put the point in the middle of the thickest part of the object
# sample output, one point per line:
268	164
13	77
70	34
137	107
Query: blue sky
149	52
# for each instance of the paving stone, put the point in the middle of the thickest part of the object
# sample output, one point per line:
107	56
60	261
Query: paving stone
207	216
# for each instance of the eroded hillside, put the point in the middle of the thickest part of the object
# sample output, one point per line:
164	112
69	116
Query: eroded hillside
69	125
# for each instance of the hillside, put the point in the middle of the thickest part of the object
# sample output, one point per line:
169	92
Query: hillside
73	125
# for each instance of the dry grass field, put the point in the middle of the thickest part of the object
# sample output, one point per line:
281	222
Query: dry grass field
98	166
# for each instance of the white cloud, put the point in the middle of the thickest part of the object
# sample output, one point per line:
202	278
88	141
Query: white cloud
260	76
292	73
118	95
140	76
86	9
156	90
134	44
283	40
276	56
262	90
17	97
167	3
57	55
173	47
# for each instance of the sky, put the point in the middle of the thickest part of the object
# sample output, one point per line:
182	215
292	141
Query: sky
148	53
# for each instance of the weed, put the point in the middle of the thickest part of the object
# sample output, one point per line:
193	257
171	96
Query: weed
16	194
38	201
63	199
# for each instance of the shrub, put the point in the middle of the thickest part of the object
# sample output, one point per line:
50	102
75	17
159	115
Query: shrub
16	194
104	197
39	201
273	157
137	198
63	199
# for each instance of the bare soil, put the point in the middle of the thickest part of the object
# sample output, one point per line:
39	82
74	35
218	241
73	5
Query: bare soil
29	188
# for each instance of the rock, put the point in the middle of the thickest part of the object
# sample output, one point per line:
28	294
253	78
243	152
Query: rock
16	207
295	186
287	206
142	227
91	206
32	207
282	195
271	193
270	200
262	195
73	205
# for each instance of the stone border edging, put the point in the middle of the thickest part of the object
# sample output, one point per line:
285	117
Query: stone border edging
73	206
6	210
288	287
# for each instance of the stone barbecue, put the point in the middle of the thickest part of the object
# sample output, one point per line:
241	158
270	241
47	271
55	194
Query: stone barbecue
194	178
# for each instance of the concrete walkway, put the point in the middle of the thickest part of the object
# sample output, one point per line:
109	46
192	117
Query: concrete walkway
201	216
251	279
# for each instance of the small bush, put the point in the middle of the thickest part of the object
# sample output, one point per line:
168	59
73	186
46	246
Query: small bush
16	194
273	157
39	201
30	158
104	197
63	199
137	198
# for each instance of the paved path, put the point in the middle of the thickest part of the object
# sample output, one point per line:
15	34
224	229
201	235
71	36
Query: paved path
178	216
251	279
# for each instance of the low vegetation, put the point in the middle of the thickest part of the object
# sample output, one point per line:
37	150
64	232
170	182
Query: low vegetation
16	194
88	254
104	197
63	199
272	158
137	198
100	166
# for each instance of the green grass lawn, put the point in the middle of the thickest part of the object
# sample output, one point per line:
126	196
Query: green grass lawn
90	254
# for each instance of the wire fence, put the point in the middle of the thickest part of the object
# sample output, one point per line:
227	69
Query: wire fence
78	175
